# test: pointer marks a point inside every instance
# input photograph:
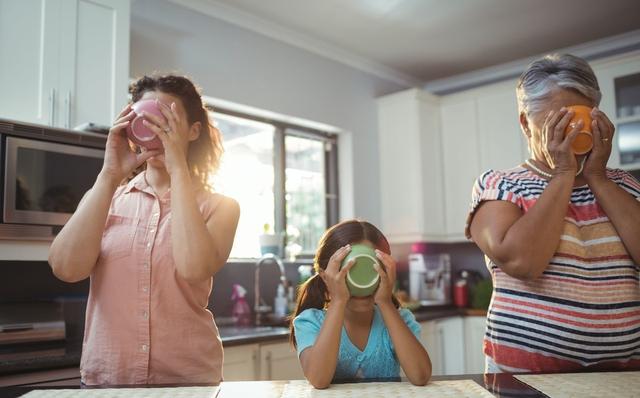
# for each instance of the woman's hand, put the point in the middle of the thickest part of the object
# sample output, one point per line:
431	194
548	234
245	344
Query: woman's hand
602	130
120	159
174	133
335	278
555	146
387	278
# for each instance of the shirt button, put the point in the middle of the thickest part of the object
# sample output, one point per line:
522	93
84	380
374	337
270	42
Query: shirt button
156	214
145	315
359	357
145	289
145	348
152	231
148	244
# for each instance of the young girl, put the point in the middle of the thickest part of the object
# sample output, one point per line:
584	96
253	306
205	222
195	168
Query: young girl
339	337
151	247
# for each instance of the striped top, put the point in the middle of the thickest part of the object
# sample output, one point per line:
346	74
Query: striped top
584	310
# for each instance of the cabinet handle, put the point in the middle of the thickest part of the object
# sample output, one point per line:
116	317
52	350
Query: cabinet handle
268	359
67	103
444	355
52	105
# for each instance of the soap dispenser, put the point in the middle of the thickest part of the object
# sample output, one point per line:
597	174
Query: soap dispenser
241	311
280	303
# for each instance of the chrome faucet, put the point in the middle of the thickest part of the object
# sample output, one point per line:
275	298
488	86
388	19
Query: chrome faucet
260	307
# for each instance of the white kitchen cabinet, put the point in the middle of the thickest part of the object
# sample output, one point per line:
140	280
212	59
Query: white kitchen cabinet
432	341
501	142
411	167
432	149
474	329
444	341
461	161
452	334
279	361
66	61
241	362
607	71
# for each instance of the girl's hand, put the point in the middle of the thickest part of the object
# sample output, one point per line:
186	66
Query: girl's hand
602	130
335	278
120	159
555	146
174	134
387	278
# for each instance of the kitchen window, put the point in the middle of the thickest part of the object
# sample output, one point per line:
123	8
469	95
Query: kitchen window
284	177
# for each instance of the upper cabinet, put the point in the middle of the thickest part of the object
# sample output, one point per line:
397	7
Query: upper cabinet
411	167
432	149
65	62
619	80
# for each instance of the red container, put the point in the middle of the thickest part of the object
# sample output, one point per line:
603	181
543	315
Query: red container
461	294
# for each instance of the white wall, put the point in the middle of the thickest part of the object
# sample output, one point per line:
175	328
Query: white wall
238	65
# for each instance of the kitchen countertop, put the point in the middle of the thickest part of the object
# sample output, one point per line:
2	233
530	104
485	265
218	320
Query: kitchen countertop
497	384
67	354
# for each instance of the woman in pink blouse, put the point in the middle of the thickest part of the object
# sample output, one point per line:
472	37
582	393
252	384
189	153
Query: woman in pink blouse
151	247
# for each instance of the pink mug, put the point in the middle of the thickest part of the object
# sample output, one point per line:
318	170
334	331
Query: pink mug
137	131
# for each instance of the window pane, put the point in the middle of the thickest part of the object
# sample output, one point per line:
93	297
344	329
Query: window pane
246	174
305	193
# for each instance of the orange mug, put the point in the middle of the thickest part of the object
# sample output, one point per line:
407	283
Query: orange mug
584	140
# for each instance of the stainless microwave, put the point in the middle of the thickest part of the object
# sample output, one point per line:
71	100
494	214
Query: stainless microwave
43	181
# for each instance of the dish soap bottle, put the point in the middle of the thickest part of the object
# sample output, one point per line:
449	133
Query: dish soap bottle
240	310
291	300
280	303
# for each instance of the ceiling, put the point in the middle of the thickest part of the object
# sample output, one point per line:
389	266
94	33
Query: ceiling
426	40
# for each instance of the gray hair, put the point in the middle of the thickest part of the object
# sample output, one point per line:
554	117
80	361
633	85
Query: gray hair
553	71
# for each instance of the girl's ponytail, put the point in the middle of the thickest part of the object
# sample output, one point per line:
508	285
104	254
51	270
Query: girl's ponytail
311	294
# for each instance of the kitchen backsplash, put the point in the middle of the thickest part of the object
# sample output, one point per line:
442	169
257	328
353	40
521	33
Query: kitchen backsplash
464	256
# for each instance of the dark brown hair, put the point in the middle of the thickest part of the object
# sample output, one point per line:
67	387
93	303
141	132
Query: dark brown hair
313	293
204	153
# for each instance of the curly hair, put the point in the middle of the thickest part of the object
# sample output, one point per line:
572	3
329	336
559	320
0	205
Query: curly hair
204	153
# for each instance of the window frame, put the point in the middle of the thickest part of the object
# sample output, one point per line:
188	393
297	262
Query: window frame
331	172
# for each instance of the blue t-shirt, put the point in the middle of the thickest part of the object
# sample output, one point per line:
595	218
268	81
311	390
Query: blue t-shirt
378	360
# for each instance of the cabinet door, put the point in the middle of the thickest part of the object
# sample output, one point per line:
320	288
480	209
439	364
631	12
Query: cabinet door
241	362
29	39
607	72
279	361
452	334
461	162
94	56
399	128
432	342
474	329
500	140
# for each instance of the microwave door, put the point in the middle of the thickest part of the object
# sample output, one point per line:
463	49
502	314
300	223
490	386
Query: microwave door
44	181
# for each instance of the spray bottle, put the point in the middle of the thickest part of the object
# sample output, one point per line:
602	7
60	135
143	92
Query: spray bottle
241	311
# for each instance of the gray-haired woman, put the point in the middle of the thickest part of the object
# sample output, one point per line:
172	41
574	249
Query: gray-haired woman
561	234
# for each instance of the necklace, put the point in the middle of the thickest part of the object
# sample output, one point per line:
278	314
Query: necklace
549	175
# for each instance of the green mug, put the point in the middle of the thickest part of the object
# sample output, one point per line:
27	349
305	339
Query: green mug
362	278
